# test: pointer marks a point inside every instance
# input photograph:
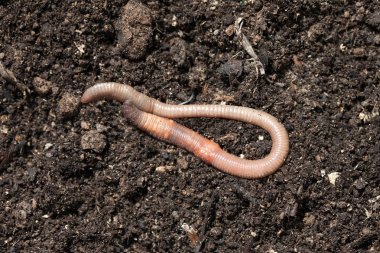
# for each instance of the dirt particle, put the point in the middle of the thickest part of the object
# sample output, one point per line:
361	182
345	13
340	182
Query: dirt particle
164	169
34	204
342	205
22	210
48	146
316	31
135	30
93	140
366	231
230	30
216	232
178	51
175	215
373	20
220	95
309	219
20	214
174	21
192	234
183	163
346	14
68	105
101	128
377	39
257	5
231	69
360	184
85	125
42	86
290	211
197	75
4	130
358	51
333	177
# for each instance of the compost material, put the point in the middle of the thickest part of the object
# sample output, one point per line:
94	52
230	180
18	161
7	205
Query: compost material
77	178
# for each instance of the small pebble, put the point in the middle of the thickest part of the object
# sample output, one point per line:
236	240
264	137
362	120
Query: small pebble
68	105
93	140
164	169
101	128
333	177
85	125
48	145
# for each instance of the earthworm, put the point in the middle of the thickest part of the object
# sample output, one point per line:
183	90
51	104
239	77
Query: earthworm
152	116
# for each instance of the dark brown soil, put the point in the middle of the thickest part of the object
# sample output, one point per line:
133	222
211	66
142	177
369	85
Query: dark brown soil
79	178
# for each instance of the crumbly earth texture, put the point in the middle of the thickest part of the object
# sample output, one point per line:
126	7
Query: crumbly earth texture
133	193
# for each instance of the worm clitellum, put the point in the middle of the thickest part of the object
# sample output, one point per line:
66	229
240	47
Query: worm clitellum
152	116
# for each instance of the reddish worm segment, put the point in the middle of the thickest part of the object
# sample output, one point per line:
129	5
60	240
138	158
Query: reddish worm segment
152	116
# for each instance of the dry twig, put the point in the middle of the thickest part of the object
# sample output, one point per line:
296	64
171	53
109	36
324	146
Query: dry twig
10	78
247	46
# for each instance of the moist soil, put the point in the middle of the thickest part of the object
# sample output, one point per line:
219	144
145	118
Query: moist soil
80	178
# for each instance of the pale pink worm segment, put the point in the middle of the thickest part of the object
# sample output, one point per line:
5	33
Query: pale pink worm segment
152	116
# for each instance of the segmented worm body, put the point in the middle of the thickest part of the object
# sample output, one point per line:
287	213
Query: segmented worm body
154	117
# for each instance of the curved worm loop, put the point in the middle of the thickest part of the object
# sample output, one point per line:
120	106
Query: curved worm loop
147	114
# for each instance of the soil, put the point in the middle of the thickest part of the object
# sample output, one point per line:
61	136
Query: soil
79	178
